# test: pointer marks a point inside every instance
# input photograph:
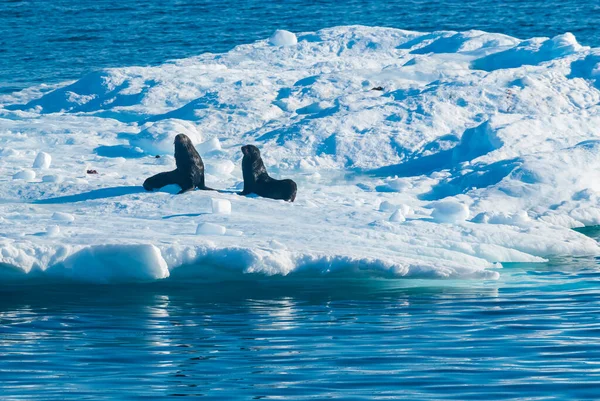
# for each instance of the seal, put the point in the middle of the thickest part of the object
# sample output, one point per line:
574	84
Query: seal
189	173
257	180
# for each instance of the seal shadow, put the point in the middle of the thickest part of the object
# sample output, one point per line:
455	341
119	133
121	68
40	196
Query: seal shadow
102	193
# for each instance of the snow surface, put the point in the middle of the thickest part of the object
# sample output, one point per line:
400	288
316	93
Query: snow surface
395	138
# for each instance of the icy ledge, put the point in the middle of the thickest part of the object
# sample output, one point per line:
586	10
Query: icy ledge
435	155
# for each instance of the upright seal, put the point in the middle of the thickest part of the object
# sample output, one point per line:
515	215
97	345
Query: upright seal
257	180
189	173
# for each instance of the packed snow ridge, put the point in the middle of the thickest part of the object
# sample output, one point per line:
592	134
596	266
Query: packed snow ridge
436	155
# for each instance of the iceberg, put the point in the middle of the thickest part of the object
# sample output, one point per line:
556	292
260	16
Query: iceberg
417	155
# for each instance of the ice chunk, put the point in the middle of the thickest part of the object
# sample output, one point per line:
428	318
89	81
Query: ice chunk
27	175
221	206
449	212
116	263
42	161
283	38
210	229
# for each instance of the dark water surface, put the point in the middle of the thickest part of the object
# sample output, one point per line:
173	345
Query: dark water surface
49	41
534	334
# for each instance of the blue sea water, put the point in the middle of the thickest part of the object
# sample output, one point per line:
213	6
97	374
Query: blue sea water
532	335
49	41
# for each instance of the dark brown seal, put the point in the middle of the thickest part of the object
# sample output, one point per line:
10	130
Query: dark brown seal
257	180
189	173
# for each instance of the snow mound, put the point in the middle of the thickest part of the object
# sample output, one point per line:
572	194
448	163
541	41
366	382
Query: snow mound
449	212
27	175
387	133
52	178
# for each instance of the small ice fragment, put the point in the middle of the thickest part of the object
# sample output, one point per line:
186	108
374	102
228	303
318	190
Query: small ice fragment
42	161
221	206
26	175
283	38
210	229
60	216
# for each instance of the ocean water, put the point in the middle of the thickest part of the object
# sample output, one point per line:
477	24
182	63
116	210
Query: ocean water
50	41
532	335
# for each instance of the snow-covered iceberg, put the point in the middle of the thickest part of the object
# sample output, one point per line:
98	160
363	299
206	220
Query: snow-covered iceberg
417	155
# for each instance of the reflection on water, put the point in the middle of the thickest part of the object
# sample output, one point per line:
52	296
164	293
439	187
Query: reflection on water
532	335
